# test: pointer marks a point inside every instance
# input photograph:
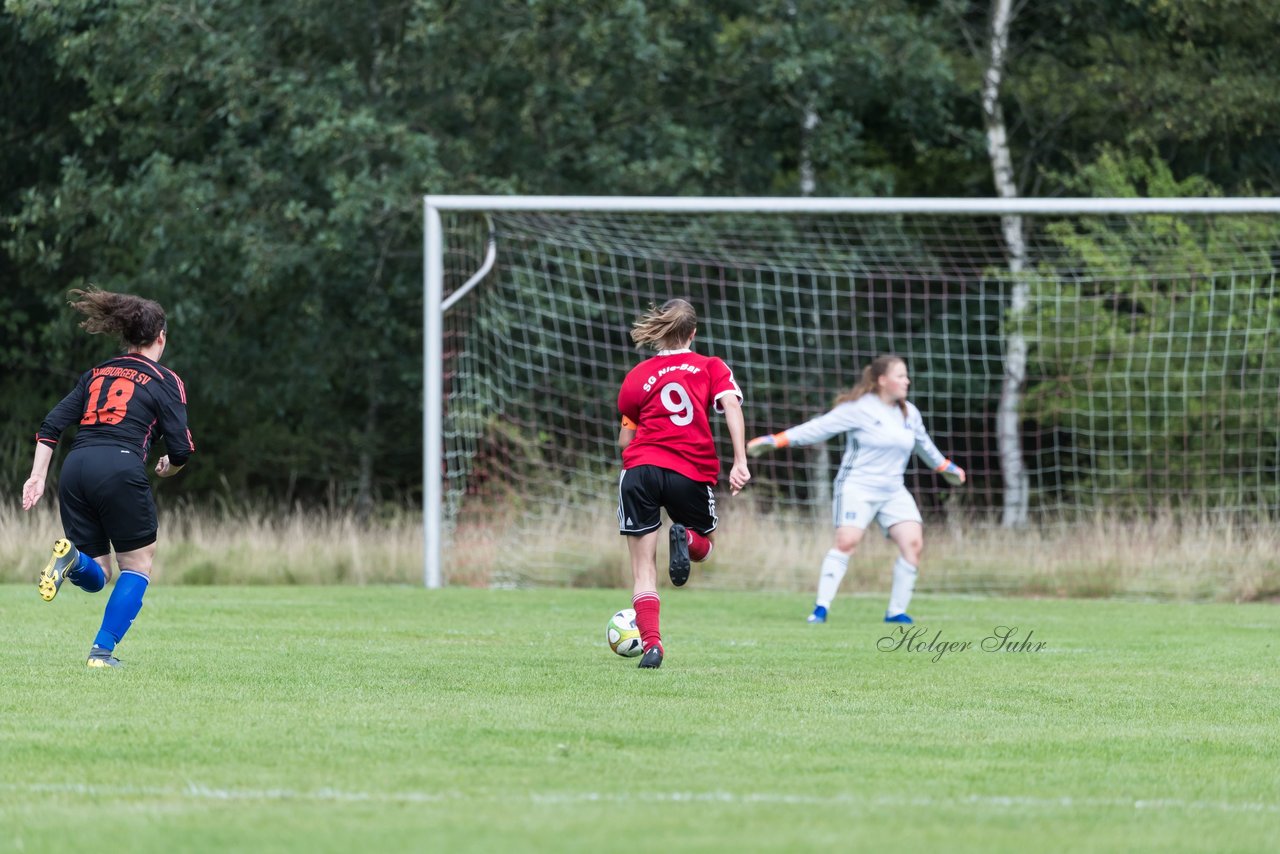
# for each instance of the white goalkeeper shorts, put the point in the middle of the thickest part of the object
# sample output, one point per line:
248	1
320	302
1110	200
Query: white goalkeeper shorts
853	507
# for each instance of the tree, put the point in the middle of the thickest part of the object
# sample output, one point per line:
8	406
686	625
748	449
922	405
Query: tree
1141	427
252	176
260	172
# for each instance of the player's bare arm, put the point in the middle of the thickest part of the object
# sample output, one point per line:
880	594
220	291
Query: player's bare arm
34	487
739	474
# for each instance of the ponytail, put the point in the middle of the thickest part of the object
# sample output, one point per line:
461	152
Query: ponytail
136	320
665	328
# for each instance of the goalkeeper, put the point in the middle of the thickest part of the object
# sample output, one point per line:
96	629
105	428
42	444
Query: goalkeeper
881	430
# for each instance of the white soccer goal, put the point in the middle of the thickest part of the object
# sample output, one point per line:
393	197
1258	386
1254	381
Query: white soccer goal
1077	357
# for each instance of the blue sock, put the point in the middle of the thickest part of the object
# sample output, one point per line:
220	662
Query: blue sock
87	575
122	607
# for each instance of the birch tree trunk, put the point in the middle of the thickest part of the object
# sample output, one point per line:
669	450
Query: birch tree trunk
1008	432
819	457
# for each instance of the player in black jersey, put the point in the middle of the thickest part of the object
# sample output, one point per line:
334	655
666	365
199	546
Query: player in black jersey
122	406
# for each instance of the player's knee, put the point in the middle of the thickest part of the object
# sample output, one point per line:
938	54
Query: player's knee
140	567
846	543
912	550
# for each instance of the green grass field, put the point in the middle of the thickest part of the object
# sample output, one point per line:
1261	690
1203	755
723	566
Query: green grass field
394	718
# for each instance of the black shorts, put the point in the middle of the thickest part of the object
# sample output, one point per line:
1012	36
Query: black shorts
106	501
644	491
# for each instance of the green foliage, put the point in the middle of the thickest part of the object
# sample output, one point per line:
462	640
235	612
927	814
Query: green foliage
257	167
1190	79
258	175
1151	349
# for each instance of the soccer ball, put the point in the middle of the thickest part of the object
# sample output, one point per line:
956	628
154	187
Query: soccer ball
622	634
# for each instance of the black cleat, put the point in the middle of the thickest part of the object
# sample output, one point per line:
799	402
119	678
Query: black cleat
652	658
679	568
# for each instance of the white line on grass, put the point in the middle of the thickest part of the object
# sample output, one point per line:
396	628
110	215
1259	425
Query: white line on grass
199	792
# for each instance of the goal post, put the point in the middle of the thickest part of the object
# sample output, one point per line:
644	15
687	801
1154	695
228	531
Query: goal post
1129	304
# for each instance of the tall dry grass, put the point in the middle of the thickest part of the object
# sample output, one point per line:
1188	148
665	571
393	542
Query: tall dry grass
1164	557
203	547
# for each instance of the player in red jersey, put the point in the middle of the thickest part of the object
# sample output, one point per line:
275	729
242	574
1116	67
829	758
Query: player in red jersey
669	457
122	406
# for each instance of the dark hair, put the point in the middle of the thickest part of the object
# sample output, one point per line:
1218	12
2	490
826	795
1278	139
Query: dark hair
870	381
665	328
136	320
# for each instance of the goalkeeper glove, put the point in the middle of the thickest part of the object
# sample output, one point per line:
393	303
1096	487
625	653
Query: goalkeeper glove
764	444
953	473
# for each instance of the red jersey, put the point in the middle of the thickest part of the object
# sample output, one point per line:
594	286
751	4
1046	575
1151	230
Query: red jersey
669	398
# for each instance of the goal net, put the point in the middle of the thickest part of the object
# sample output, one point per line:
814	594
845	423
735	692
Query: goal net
1150	390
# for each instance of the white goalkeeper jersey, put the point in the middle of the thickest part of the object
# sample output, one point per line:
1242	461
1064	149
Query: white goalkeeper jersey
878	443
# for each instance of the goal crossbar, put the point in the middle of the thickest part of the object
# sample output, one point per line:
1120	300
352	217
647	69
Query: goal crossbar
782	204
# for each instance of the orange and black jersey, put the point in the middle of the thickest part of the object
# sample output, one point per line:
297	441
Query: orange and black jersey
126	402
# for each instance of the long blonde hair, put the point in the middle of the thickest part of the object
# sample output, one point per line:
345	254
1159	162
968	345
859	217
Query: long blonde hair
870	382
665	328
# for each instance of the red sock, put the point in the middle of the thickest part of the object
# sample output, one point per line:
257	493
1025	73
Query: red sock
699	546
647	606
